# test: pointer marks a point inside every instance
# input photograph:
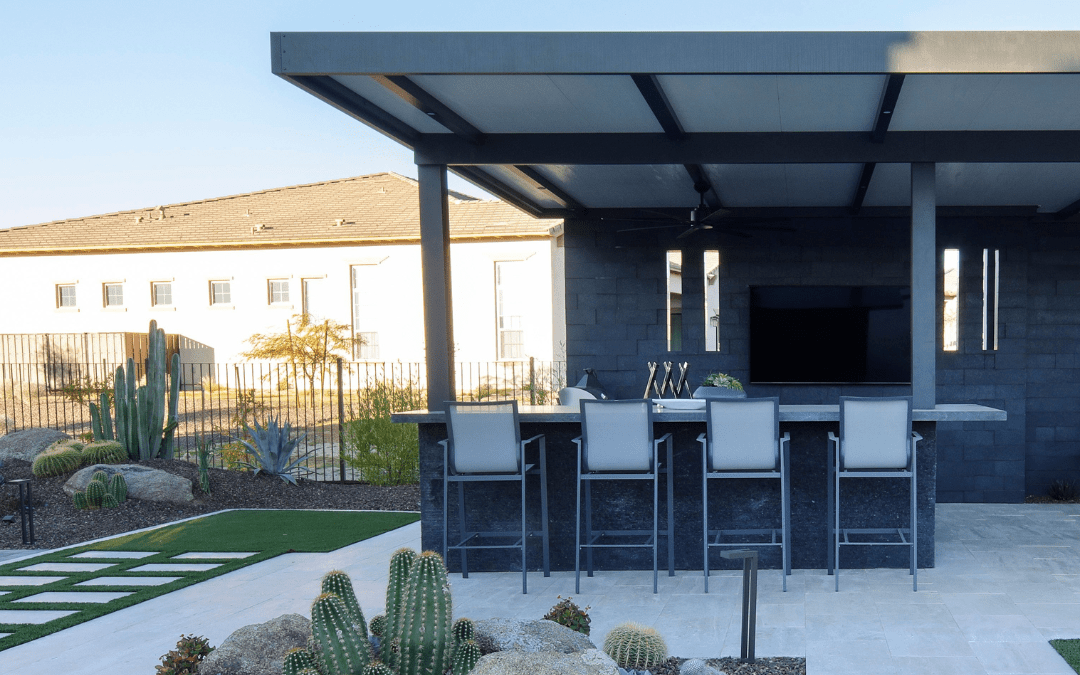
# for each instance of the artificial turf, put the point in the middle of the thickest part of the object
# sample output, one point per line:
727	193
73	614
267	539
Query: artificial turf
1069	650
266	533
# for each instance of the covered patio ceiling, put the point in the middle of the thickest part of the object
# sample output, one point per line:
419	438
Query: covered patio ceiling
602	124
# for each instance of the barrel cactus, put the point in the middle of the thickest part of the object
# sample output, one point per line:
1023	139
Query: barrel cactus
377	625
697	667
377	668
95	494
56	461
466	654
109	502
104	452
426	618
297	660
633	646
79	499
118	488
342	651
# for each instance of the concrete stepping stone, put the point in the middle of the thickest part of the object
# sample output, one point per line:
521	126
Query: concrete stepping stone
211	555
128	581
28	581
97	597
4	635
175	567
66	567
123	555
33	615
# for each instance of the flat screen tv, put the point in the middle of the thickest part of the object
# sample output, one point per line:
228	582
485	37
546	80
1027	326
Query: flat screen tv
830	334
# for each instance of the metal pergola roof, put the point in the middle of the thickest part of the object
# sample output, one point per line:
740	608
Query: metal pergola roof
596	124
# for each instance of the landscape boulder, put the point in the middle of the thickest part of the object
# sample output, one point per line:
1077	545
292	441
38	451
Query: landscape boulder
588	662
27	443
258	649
143	482
503	635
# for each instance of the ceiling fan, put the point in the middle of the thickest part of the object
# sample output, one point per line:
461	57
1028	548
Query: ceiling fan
701	219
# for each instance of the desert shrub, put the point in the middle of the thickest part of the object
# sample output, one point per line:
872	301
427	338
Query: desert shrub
184	660
567	613
1062	490
385	453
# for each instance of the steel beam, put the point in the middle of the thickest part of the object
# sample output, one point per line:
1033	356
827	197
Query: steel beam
840	147
923	285
417	97
542	182
438	300
501	190
354	105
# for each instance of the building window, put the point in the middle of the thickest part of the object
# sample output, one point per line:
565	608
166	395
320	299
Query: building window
951	312
220	293
991	287
65	295
364	291
278	291
509	311
673	261
160	293
368	348
311	290
113	294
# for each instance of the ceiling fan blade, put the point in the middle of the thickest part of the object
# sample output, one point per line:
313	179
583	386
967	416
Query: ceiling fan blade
718	214
689	231
651	227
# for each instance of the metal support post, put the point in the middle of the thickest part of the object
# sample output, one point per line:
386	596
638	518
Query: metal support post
749	600
26	508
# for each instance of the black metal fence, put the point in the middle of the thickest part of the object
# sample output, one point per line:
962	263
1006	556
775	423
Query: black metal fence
216	400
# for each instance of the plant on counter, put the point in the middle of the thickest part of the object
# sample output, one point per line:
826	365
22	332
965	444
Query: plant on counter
185	659
721	380
567	613
272	449
634	646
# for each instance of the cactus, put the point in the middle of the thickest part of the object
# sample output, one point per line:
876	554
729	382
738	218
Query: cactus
140	411
109	502
54	462
79	499
377	668
298	660
464	630
101	477
634	646
104	452
466	654
697	667
117	487
377	625
338	583
342	650
101	421
426	618
400	564
95	494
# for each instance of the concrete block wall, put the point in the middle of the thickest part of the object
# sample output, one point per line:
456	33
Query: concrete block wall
616	323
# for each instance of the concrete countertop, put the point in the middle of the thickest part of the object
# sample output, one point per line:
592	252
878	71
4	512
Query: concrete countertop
942	412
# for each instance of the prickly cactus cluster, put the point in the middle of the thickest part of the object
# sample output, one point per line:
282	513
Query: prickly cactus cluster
634	646
59	458
102	492
377	625
104	452
417	633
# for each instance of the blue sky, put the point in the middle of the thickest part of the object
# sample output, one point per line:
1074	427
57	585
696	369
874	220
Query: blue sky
109	106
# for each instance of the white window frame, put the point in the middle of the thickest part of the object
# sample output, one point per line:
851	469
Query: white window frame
105	286
213	296
74	307
507	325
270	292
154	294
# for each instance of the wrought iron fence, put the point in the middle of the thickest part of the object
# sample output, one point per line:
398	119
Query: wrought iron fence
216	400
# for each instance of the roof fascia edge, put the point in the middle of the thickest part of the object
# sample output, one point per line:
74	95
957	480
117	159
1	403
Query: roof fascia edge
301	53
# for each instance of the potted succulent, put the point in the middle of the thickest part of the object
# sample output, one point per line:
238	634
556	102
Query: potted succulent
720	385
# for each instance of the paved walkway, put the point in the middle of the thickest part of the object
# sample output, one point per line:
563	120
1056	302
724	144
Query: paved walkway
1007	580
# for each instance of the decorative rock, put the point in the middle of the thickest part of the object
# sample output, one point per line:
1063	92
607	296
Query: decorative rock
589	662
502	635
697	667
26	444
258	649
142	482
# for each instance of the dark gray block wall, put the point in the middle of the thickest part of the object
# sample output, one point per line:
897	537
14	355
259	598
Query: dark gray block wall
615	323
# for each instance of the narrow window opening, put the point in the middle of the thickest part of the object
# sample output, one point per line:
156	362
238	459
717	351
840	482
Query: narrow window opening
509	310
674	300
712	301
991	285
951	313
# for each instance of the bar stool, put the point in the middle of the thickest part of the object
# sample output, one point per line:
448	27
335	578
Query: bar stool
617	444
485	445
876	441
742	440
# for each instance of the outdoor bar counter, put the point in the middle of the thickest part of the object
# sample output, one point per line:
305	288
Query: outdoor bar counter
749	503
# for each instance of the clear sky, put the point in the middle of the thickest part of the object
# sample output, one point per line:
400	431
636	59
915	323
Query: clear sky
107	106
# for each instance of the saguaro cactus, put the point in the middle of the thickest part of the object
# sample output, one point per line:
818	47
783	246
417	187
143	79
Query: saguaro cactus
426	618
338	583
400	564
342	651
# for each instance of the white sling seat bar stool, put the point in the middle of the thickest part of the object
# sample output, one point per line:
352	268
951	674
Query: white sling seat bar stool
617	444
485	445
742	440
876	441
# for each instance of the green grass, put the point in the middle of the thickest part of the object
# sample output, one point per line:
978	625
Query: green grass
267	533
1069	650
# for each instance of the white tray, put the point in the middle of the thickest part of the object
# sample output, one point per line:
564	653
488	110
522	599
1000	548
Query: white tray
680	403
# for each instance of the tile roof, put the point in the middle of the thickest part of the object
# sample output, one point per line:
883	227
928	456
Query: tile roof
381	207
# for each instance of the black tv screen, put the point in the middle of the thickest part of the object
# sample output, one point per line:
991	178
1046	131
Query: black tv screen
830	334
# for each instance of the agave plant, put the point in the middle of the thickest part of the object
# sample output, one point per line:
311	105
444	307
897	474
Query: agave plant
272	449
